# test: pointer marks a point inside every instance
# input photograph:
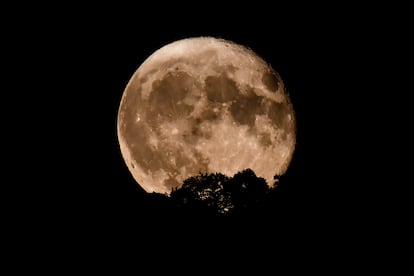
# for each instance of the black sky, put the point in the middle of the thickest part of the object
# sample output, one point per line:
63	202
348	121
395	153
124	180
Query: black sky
88	199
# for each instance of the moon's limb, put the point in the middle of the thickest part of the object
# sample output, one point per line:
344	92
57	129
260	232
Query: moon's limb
204	105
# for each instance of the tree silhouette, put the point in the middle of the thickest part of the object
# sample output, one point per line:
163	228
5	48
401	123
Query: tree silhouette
203	192
220	194
246	190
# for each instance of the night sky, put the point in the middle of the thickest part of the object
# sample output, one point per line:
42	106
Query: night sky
92	203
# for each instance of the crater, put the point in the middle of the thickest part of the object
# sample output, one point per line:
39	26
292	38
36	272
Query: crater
271	81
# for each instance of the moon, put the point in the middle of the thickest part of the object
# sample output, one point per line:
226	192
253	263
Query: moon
204	105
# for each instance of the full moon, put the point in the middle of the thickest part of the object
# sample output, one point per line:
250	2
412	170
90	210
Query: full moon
204	105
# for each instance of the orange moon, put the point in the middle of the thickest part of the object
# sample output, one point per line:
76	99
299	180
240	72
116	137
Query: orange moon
204	105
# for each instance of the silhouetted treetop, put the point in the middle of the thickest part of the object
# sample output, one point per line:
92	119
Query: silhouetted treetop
221	194
203	191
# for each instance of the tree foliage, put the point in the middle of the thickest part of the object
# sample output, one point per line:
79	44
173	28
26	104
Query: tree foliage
218	193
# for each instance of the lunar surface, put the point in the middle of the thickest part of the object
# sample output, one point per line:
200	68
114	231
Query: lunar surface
204	105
